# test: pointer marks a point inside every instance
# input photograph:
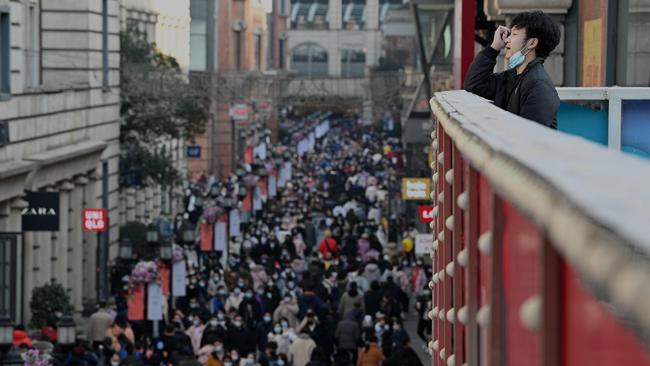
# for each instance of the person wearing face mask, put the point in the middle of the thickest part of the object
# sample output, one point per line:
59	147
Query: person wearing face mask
280	338
423	306
227	361
235	299
269	355
301	349
214	345
240	338
250	309
525	88
248	361
195	331
219	299
263	329
349	298
399	334
235	358
214	328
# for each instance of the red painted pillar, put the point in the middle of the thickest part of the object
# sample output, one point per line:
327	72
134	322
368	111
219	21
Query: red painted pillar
464	27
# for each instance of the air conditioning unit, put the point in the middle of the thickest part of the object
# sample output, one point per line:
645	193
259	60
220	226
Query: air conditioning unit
4	133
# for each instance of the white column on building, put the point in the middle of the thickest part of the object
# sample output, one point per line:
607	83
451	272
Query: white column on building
335	13
122	208
61	239
157	210
140	214
372	11
89	242
148	203
130	205
15	223
75	256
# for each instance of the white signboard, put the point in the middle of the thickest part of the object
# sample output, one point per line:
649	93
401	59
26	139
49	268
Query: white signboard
273	186
289	168
423	244
416	189
257	199
154	301
260	151
220	236
234	222
178	278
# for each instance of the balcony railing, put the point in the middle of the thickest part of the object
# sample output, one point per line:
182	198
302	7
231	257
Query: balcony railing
542	243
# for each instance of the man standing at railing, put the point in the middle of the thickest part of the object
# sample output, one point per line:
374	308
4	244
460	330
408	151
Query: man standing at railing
525	88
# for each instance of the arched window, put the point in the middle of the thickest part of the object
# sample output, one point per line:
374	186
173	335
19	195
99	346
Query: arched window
353	62
309	59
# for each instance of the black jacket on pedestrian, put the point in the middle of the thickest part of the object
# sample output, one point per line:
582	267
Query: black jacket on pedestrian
405	356
531	95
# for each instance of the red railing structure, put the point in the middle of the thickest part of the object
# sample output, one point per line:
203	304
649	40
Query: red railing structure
542	243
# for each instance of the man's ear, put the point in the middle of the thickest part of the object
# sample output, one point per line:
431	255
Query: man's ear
533	43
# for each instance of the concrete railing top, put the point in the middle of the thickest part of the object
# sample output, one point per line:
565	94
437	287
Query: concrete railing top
592	202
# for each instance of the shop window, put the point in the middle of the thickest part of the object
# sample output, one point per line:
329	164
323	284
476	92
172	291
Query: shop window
309	59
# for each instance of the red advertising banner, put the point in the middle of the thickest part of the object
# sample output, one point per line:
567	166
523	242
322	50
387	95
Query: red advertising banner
425	213
264	187
164	271
207	233
248	202
95	219
136	302
248	155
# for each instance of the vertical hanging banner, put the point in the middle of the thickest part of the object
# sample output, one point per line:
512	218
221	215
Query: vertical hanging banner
136	302
179	273
207	232
263	185
281	176
220	235
248	202
163	270
154	301
234	222
257	199
289	168
260	151
248	155
273	184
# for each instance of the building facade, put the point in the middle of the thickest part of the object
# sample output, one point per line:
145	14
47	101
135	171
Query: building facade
233	53
59	123
340	38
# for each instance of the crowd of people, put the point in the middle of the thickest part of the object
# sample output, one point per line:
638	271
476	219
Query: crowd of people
317	277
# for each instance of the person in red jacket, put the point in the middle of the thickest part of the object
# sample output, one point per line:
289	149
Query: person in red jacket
328	246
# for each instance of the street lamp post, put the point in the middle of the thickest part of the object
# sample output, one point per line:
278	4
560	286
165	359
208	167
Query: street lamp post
66	331
6	333
166	249
188	233
126	249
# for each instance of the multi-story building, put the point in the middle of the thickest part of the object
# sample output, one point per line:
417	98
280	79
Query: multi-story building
336	37
59	133
230	47
278	25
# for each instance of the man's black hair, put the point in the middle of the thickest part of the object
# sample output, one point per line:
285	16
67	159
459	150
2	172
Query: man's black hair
541	26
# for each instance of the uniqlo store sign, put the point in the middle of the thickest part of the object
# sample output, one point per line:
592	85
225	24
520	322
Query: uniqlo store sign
95	219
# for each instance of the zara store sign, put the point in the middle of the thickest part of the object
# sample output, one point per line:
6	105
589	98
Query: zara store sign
42	212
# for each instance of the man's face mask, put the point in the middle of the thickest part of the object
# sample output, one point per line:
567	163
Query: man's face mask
519	57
